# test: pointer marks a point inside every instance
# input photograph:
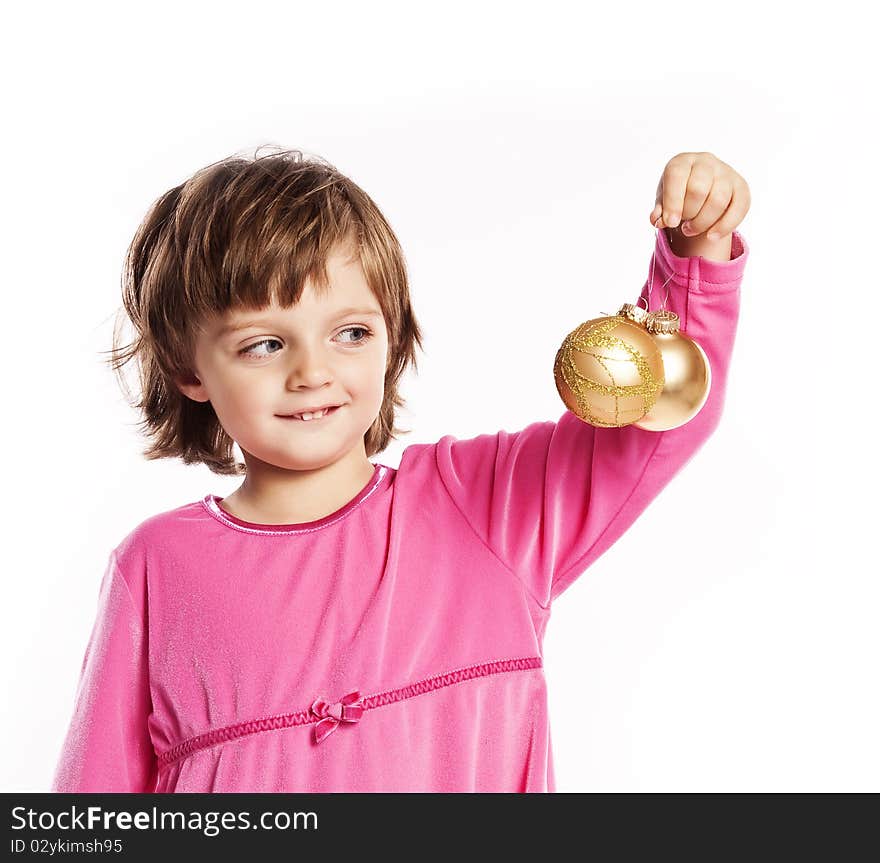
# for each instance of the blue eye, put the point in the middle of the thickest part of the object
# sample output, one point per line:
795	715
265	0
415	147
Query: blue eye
250	348
364	338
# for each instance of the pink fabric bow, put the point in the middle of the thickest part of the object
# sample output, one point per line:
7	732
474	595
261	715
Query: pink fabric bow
349	709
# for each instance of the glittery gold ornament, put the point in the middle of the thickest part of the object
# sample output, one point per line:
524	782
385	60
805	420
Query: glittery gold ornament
687	371
609	371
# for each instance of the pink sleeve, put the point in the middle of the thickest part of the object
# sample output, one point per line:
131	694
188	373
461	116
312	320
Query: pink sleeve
108	747
550	499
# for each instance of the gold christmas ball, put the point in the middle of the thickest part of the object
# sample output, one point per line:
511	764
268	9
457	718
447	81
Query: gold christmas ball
609	371
688	375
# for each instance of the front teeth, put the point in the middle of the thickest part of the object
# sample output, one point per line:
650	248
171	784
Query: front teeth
308	416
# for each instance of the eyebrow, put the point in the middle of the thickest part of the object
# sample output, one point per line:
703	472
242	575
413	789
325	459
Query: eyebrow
243	325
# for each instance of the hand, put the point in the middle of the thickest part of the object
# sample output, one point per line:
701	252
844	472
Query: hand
702	193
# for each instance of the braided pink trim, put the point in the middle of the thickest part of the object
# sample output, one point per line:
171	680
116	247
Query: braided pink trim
305	717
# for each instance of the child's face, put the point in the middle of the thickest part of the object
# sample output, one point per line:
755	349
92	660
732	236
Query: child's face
287	360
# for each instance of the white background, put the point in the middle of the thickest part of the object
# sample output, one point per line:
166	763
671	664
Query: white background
728	641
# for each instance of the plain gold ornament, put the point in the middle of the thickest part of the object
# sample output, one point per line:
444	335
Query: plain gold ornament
687	372
609	371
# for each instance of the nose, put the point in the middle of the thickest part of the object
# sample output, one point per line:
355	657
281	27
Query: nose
310	365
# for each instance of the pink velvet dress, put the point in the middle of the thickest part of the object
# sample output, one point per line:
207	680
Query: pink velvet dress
395	645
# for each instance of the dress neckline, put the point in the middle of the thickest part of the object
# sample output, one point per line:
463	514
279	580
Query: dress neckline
211	502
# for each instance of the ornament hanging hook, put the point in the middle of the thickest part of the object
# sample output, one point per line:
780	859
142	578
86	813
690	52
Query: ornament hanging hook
651	275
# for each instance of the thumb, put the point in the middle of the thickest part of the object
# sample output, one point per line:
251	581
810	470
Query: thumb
655	214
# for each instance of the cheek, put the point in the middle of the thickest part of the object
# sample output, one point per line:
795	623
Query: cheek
377	370
243	394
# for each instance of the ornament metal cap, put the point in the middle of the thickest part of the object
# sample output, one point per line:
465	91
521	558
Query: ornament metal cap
662	321
633	312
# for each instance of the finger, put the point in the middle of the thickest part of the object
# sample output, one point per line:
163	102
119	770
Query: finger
739	206
717	201
700	184
675	177
658	204
656	214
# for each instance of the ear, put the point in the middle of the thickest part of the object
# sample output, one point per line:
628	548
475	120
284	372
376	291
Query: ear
192	388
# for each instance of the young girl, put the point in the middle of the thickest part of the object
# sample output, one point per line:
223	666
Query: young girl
335	624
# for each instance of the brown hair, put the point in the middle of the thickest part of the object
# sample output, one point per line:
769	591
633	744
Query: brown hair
241	234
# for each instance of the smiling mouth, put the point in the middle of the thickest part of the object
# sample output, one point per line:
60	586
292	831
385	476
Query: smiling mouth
295	418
